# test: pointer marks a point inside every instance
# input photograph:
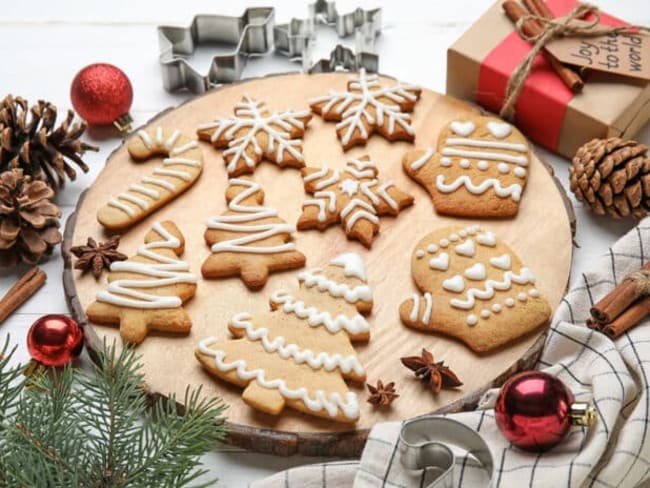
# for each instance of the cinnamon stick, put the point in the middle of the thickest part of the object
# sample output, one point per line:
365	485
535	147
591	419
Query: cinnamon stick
618	300
539	8
23	289
628	319
514	11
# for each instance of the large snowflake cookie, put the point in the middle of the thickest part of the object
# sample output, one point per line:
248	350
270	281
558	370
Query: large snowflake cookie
479	170
254	133
352	196
300	353
474	288
368	106
249	240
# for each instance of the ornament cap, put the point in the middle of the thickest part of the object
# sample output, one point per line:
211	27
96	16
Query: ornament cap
123	123
582	414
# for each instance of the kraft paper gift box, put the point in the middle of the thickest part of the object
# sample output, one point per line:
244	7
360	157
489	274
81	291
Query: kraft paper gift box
481	61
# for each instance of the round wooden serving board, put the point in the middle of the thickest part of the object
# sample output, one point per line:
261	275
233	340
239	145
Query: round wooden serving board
540	234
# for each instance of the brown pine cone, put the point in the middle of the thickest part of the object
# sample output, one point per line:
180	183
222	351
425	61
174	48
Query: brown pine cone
29	221
612	177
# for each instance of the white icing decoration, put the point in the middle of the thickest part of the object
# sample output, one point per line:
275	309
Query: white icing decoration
431	248
467	248
485	313
145	191
422	160
500	130
426	316
252	233
524	277
509	302
462	233
321	400
440	262
125	208
503	168
143	204
496	308
171	140
316	174
419	254
415	311
472	319
184	148
495	156
185	161
476	272
534	293
334	178
444	242
383	192
158	182
146	140
363	211
508	146
513	191
352	265
323	200
462	128
445	161
473	229
522	297
520	172
454	237
487	239
335	289
349	187
159	136
328	362
464	163
173	173
483	165
455	284
163	271
253	115
501	262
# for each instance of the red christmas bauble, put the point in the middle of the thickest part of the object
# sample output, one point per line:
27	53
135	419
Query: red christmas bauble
54	340
533	410
101	93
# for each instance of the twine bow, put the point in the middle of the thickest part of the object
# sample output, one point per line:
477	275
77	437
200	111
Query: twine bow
570	26
641	280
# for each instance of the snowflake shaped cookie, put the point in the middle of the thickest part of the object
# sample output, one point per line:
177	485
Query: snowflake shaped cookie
254	133
366	107
353	196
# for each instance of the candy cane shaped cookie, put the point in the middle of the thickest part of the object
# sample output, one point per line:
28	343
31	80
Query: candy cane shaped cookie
180	168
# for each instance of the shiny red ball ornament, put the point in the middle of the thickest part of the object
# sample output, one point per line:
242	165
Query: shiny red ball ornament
102	94
534	411
54	340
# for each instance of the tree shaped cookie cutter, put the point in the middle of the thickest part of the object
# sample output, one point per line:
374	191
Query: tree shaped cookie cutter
250	33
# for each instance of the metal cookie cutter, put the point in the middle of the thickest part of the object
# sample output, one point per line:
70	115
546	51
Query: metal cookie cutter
249	34
423	446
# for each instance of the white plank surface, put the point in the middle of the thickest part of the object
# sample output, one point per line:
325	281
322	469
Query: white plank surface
44	43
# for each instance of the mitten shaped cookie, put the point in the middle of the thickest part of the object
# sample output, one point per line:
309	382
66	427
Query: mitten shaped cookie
249	240
474	287
479	170
147	291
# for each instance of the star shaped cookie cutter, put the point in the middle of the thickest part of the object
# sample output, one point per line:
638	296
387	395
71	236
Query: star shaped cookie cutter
250	34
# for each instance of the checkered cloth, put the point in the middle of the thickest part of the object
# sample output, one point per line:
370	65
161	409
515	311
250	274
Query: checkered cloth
611	375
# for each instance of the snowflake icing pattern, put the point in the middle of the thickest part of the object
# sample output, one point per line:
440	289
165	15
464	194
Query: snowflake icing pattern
353	196
254	133
366	107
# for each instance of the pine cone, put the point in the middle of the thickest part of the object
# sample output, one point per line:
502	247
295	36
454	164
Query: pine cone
612	177
29	221
42	152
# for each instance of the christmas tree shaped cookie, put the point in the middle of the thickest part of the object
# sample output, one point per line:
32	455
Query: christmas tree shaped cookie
299	354
249	240
480	168
147	291
352	196
254	133
474	288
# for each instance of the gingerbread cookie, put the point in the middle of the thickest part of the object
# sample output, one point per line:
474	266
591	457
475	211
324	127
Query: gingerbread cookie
368	106
249	240
180	169
147	291
254	133
479	170
474	287
352	196
299	353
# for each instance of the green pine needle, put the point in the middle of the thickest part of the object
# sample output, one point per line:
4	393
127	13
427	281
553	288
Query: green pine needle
70	428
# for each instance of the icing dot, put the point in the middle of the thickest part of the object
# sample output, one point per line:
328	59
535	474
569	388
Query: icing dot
534	293
464	163
463	233
520	172
445	161
503	168
454	238
444	242
510	302
483	165
419	254
472	319
473	229
432	248
522	297
485	313
496	308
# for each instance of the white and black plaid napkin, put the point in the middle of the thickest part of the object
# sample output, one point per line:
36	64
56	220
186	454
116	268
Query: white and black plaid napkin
611	375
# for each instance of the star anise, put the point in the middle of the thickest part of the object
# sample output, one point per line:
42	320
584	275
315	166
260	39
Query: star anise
382	395
97	256
434	374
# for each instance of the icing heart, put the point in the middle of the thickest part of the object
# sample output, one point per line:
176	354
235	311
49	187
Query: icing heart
501	262
440	262
455	284
462	128
476	272
499	129
487	239
466	248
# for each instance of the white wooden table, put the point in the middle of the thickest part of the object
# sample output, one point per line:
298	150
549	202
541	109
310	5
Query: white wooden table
43	44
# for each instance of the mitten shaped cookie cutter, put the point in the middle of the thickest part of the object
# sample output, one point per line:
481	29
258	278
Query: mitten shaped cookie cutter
250	33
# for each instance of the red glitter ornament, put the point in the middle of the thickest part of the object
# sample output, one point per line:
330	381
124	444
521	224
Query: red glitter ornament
534	411
54	340
102	95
